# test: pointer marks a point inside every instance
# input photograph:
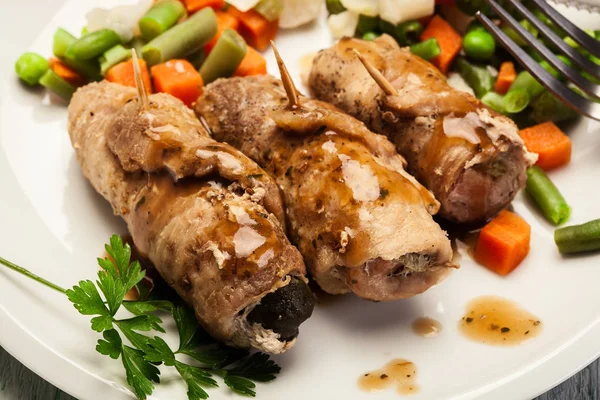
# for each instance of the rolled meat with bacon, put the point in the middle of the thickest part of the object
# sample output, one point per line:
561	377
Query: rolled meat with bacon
470	157
361	222
209	218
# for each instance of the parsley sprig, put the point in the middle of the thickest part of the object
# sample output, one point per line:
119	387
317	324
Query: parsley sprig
198	358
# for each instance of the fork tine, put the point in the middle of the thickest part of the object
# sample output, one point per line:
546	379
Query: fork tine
571	74
567	50
581	37
574	100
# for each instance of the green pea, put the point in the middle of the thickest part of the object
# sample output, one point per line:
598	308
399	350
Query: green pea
370	36
30	67
479	45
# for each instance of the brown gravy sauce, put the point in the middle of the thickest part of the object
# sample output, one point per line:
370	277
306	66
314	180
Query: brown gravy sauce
399	373
426	327
498	321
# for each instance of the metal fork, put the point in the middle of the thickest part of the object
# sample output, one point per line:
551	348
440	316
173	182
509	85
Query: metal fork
586	106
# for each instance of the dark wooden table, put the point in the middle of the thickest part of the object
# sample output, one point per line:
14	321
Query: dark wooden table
19	383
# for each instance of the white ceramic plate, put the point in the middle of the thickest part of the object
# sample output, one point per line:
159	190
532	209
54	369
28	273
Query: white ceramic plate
55	224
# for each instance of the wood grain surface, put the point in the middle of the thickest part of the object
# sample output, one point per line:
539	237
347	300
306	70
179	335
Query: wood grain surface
19	383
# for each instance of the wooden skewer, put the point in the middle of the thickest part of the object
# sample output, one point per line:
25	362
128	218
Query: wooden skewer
383	83
139	81
288	83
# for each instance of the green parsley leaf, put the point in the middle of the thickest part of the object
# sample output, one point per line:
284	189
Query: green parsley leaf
144	323
186	325
216	358
240	385
258	367
149	306
159	351
136	339
86	299
195	378
140	373
111	345
119	253
113	289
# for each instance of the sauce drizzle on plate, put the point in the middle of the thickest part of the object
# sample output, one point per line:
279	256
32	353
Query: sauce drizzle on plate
426	327
498	321
398	373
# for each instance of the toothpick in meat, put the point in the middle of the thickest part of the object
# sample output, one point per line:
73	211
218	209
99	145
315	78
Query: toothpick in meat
139	82
383	83
288	83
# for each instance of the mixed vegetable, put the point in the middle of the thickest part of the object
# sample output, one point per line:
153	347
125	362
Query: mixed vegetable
183	44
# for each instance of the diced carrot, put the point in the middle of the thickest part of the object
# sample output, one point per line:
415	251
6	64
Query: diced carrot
506	76
550	143
179	78
196	5
256	29
64	71
448	39
123	73
252	64
503	243
224	21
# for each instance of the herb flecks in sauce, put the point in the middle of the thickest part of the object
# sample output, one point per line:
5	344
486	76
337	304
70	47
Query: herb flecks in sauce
398	373
497	321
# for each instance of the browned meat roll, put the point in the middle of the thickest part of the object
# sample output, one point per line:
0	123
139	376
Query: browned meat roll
361	222
208	217
470	157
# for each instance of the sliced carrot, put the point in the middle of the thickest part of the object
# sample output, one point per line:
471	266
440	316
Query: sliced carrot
224	21
196	5
123	73
252	64
179	78
64	71
256	29
506	76
503	243
448	39
550	143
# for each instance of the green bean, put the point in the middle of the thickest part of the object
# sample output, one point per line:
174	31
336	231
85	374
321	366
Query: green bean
161	17
479	45
477	77
51	81
516	100
546	65
370	36
93	44
270	9
61	42
182	39
366	24
409	32
523	90
197	58
515	36
495	101
578	238
138	44
30	67
552	204
112	57
84	31
225	57
548	107
427	49
334	6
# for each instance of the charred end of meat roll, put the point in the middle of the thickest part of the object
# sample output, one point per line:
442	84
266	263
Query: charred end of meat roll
285	309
